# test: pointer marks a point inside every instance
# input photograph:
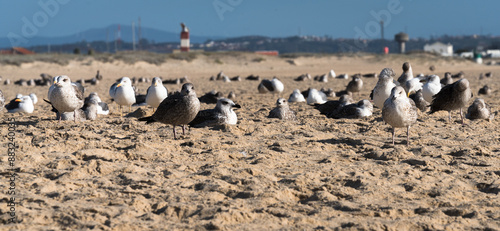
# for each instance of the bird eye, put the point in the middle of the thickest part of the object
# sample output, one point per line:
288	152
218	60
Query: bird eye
65	80
224	103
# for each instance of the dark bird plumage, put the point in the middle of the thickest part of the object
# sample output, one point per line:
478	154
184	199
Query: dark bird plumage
419	100
454	96
177	109
222	114
479	110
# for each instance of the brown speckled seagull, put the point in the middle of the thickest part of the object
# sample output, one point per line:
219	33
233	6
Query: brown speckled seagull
177	109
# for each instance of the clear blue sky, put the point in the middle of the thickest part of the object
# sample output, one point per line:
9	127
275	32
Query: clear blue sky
276	18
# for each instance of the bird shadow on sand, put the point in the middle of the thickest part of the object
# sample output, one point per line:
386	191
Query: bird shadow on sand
349	141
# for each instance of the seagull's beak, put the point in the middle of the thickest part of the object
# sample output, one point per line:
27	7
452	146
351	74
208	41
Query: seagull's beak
156	83
236	106
18	100
408	95
119	85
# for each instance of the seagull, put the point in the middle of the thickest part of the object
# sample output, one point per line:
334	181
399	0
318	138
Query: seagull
124	94
479	110
432	87
331	74
331	106
447	79
296	96
407	74
156	93
178	109
102	107
282	111
454	96
316	96
399	111
34	98
22	104
222	114
383	87
419	100
65	96
485	90
353	111
412	86
274	86
2	101
355	84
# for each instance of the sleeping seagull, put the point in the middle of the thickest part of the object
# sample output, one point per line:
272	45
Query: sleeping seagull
274	86
383	88
353	111
178	109
124	94
399	111
222	114
65	96
454	96
156	93
102	107
316	96
296	96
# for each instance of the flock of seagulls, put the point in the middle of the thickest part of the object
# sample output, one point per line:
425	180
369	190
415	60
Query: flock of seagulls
398	100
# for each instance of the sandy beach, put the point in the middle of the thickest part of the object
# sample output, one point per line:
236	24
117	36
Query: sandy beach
118	173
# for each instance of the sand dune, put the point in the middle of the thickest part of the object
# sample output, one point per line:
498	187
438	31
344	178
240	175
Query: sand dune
315	173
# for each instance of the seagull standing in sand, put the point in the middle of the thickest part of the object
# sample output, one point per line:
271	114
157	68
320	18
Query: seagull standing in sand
355	84
2	101
453	96
177	109
222	114
282	111
383	88
399	111
124	94
65	96
156	93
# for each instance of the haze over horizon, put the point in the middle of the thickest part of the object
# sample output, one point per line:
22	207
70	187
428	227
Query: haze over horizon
280	18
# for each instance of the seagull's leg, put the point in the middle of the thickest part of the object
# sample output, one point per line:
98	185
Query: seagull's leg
449	116
175	135
74	115
462	116
60	118
408	136
183	129
129	108
393	131
121	112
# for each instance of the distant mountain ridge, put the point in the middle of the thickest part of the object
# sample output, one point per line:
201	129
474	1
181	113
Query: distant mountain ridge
109	34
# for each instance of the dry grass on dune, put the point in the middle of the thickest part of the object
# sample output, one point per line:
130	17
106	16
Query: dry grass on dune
261	174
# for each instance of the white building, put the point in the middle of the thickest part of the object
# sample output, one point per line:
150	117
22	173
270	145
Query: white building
440	48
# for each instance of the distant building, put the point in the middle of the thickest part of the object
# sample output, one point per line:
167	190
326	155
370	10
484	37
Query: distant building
493	53
17	51
440	48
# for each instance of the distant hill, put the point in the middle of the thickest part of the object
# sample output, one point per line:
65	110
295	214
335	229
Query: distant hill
100	34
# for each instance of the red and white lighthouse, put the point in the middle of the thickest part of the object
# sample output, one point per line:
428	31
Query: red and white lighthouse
184	38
